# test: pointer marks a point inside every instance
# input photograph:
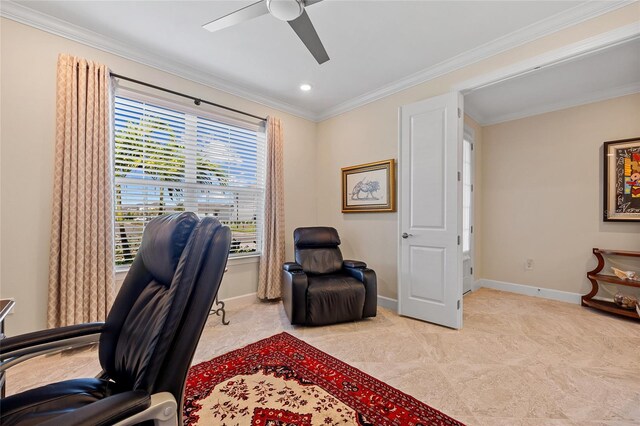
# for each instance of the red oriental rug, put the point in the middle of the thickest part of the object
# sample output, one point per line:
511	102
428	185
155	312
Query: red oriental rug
283	381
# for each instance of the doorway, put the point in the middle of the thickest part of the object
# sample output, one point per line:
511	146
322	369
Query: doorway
436	216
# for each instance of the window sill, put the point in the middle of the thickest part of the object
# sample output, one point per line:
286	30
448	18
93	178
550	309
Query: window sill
242	260
121	271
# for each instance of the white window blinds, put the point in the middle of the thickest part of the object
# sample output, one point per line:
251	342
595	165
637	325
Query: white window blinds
169	158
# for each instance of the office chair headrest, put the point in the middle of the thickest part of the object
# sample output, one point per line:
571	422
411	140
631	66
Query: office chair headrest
161	232
316	236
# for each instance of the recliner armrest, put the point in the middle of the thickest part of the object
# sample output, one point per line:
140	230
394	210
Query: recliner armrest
12	344
292	267
353	264
106	411
368	278
294	294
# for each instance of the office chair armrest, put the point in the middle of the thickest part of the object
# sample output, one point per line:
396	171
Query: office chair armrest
14	350
36	338
353	264
292	267
106	411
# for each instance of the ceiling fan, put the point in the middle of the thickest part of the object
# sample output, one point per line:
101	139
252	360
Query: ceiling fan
292	11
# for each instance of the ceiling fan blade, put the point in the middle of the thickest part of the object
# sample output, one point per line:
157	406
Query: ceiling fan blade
249	12
304	28
310	2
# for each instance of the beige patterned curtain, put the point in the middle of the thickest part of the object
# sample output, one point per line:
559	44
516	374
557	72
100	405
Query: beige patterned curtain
272	256
81	262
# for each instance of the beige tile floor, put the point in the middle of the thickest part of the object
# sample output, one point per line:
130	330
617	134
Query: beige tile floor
518	360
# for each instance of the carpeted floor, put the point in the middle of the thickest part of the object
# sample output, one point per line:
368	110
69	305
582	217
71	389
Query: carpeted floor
519	361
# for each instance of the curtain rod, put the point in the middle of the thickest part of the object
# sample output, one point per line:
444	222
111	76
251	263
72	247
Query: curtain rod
195	100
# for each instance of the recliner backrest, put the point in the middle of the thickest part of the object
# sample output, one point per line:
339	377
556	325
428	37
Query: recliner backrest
174	277
316	249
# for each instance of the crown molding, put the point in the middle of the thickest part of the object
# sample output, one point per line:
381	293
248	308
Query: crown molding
565	53
517	38
588	98
25	15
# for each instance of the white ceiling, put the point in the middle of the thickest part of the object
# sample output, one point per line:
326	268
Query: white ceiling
610	72
375	47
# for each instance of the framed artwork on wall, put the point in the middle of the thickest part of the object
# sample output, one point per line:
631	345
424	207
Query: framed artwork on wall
622	180
369	187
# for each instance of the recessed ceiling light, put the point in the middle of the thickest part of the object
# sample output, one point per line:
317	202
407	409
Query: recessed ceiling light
305	87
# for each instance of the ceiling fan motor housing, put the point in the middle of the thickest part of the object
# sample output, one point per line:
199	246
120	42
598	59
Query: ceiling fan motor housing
285	10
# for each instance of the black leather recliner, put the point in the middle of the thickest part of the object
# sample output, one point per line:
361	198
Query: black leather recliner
147	342
320	287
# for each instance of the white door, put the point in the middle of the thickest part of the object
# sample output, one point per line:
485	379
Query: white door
467	210
430	252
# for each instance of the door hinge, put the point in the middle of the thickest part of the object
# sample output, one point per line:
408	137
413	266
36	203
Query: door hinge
458	239
459	176
458	304
471	229
471	270
472	147
459	113
471	187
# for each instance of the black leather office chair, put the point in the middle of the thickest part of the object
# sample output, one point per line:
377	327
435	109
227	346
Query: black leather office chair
320	287
147	342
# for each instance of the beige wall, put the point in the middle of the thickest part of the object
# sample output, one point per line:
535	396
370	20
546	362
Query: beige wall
28	88
370	133
542	194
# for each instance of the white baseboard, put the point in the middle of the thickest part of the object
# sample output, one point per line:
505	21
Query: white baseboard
527	290
244	299
388	303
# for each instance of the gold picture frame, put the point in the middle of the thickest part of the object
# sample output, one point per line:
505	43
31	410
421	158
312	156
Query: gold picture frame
369	188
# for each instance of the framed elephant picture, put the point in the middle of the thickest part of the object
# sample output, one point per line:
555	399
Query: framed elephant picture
368	188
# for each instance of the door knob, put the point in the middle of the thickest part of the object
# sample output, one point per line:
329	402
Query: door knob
405	235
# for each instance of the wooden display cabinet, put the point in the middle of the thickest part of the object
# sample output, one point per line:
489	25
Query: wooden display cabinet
595	276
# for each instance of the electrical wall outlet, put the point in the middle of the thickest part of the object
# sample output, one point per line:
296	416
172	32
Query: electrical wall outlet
528	264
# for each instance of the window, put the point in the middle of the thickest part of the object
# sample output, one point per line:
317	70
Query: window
170	158
467	188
